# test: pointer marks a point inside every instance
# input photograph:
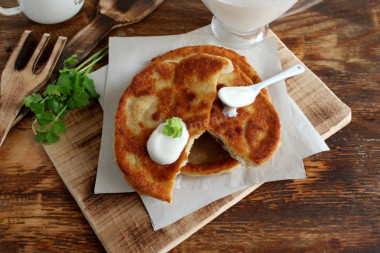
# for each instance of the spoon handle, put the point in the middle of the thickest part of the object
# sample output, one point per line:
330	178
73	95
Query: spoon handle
295	70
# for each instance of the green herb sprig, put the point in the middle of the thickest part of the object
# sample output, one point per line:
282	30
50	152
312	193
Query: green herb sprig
72	90
173	127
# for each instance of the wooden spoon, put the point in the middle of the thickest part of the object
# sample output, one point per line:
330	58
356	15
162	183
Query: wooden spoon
111	14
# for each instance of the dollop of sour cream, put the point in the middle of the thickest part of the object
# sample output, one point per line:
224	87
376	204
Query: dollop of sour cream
165	149
236	97
230	111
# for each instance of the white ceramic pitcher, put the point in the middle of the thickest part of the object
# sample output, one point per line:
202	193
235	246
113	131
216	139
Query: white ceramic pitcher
45	11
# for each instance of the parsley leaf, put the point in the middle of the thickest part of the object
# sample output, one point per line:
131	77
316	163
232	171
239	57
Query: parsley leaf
59	127
34	98
71	60
72	90
88	84
51	90
51	136
41	136
44	119
173	127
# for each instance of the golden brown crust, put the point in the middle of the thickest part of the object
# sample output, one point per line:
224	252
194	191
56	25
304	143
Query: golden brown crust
163	90
183	83
253	136
222	165
131	135
208	157
237	59
251	154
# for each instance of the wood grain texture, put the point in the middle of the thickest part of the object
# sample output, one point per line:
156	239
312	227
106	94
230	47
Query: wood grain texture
76	155
330	114
120	220
17	84
334	209
112	14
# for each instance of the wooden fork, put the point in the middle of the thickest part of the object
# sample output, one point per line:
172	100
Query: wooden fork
111	14
17	84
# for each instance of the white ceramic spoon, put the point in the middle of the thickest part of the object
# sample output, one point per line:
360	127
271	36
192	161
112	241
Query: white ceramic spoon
240	96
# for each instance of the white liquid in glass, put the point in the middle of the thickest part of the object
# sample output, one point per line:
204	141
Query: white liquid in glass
244	16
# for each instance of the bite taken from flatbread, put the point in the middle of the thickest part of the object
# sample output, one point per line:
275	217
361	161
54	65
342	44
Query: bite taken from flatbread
251	138
183	83
164	90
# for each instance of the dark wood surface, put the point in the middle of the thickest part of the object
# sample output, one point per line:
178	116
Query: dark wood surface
111	14
337	208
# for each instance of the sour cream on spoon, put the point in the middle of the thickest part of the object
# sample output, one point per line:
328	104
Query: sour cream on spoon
236	97
167	141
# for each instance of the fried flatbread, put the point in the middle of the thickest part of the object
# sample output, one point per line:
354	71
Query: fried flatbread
238	60
251	138
208	157
162	90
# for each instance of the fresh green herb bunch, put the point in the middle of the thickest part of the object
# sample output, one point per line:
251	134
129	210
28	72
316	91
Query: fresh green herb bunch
73	89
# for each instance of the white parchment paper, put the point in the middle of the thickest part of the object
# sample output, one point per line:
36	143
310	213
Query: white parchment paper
130	55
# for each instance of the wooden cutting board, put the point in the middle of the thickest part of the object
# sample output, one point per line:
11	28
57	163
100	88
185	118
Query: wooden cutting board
120	220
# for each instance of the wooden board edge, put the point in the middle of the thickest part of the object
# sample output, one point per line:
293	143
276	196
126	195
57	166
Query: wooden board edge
223	208
344	122
241	194
79	203
347	116
236	198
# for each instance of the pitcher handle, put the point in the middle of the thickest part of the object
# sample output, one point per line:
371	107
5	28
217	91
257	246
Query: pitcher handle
301	5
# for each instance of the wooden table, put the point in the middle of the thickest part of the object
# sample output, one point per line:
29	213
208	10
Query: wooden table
337	208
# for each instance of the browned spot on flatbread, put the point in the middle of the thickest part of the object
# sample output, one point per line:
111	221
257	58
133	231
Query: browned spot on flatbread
190	96
156	116
220	85
222	126
159	91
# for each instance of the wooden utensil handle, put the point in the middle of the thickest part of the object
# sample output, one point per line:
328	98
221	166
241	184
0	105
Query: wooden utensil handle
24	110
81	44
6	117
87	38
